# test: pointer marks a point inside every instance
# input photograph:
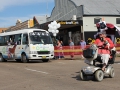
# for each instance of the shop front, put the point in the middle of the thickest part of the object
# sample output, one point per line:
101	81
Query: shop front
71	29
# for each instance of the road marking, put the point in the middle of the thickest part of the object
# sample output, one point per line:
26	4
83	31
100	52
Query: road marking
80	61
36	71
61	62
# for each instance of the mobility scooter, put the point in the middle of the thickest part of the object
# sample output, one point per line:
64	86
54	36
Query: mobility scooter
94	60
95	64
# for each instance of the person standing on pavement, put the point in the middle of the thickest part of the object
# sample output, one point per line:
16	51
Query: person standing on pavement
61	43
71	44
82	46
62	53
59	47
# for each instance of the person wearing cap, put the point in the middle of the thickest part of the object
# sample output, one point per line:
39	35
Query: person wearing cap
104	45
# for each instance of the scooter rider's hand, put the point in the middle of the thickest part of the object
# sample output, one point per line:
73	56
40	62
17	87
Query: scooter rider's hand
99	45
105	41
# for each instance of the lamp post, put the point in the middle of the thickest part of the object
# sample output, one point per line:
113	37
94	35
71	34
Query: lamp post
53	27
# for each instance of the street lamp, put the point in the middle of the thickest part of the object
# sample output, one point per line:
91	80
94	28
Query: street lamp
53	27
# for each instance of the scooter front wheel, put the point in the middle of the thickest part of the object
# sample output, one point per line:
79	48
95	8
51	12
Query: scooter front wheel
99	75
83	76
112	73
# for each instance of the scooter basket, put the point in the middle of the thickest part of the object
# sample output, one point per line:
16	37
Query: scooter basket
89	53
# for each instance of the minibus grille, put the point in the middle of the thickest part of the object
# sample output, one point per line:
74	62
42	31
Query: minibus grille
43	52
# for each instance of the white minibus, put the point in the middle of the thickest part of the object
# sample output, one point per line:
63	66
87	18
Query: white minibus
27	44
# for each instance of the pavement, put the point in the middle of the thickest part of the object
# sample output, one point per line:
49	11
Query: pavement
78	57
67	57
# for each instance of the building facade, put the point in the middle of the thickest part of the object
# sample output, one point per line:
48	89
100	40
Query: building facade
2	30
21	25
38	20
88	12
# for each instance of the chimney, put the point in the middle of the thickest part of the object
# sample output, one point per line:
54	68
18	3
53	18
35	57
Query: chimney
74	17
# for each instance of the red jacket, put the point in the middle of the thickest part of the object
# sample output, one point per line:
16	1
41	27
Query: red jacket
104	48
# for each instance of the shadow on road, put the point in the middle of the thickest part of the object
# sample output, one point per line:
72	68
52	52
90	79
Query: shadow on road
30	62
89	78
117	62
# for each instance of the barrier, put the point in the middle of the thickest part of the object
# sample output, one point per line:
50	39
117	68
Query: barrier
66	50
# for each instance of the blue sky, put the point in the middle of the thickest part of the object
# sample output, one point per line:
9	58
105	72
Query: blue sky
12	10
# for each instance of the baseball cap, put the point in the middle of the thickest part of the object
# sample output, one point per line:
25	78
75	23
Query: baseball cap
102	32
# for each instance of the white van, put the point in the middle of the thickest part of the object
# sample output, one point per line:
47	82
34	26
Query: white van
27	44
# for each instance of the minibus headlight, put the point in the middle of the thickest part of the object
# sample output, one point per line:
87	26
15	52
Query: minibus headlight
51	52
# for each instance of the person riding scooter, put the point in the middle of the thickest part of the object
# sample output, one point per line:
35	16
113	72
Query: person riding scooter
104	46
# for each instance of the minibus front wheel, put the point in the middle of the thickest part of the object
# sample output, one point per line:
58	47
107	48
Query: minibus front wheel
24	58
2	59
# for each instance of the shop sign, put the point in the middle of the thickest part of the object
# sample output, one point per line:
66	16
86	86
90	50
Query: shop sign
68	22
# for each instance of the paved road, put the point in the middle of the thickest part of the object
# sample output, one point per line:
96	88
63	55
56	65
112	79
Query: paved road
54	75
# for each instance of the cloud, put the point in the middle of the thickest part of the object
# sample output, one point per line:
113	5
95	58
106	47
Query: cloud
11	21
7	3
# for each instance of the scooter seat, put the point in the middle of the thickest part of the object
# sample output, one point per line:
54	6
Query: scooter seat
111	59
98	59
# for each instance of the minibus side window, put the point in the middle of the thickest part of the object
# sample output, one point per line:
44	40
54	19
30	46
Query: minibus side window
12	39
2	40
25	39
18	39
6	38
